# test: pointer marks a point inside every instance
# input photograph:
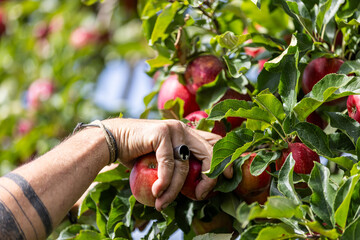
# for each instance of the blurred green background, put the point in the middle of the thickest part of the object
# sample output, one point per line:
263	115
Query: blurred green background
62	62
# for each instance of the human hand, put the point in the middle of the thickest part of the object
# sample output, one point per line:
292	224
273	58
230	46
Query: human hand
137	137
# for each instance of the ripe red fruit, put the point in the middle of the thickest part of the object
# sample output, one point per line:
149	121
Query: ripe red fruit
171	89
142	177
82	37
231	94
202	70
39	91
253	51
304	158
193	178
316	119
317	69
251	185
195	117
353	106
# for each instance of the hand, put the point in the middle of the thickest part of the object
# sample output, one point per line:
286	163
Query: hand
137	137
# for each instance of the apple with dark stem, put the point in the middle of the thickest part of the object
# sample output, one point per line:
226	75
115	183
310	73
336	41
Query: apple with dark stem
353	106
172	89
317	69
251	185
202	70
304	158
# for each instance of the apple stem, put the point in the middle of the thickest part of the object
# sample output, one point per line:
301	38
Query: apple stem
353	109
152	166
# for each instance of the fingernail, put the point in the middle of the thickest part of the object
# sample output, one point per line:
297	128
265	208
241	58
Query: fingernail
164	206
204	195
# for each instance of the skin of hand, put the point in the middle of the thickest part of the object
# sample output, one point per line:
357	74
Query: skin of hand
137	137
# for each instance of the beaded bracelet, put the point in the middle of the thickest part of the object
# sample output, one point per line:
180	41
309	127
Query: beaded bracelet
110	139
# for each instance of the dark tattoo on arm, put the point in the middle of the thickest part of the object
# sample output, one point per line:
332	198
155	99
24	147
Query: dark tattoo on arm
33	199
9	227
22	210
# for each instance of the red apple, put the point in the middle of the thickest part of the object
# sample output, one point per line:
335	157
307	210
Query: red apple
316	119
353	107
251	185
219	128
193	178
231	94
82	37
142	177
24	126
195	117
2	22
317	69
172	89
304	158
39	91
203	69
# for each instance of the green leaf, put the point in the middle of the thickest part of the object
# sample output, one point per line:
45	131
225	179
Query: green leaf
88	234
163	21
230	41
71	231
316	226
212	92
314	137
287	63
224	149
342	161
173	109
159	61
271	104
239	108
152	7
285	182
347	124
331	87
214	236
262	160
349	67
342	200
252	232
227	185
275	207
352	232
323	195
236	66
277	231
230	204
119	173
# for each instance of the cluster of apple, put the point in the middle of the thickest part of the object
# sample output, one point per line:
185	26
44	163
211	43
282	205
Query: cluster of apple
82	37
202	70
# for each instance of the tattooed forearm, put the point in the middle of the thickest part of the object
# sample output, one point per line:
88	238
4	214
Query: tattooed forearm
9	227
33	199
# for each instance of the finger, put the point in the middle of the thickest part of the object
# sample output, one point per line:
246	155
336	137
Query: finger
210	137
181	167
179	176
229	171
164	155
202	150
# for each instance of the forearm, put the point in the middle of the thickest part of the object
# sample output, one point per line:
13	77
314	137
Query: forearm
36	196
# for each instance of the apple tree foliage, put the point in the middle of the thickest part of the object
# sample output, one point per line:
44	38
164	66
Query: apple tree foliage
292	33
